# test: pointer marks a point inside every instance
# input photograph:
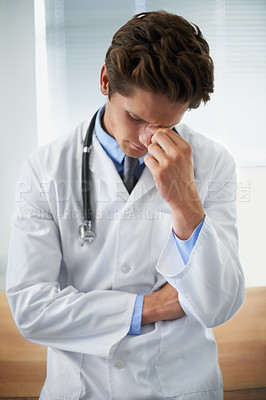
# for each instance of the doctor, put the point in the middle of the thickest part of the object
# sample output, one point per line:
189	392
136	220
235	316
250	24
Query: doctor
129	315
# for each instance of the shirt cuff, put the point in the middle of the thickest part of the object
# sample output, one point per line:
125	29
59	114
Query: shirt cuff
185	247
136	316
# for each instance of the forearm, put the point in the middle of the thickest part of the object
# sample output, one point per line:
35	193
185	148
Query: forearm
91	323
211	286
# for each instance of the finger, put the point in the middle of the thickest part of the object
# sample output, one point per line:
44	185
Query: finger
169	141
156	151
151	162
163	140
172	135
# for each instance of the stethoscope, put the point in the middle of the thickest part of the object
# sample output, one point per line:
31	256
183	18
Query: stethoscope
86	232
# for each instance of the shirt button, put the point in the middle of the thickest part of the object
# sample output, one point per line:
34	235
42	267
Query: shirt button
125	268
119	364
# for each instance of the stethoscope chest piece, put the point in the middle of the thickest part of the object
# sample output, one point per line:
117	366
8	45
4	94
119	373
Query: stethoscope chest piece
86	234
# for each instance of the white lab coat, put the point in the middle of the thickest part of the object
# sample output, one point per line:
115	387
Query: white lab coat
78	301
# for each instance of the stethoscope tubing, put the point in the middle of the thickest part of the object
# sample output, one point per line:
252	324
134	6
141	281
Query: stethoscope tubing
85	178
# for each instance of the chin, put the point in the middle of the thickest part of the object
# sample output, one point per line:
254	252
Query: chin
131	151
135	153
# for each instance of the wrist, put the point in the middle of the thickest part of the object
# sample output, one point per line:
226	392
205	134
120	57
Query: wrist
150	309
185	221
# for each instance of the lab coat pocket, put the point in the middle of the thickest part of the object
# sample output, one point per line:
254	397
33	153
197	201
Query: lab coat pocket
187	360
63	380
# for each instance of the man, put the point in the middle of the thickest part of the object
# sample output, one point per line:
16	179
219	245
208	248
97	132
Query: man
129	315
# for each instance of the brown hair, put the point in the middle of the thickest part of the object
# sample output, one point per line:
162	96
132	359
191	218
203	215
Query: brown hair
161	53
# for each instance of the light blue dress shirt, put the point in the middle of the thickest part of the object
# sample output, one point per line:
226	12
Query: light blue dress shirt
185	247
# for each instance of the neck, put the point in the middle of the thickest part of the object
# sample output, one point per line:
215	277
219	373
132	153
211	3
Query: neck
105	123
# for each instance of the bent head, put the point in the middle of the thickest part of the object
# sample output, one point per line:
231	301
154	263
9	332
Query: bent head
127	118
158	66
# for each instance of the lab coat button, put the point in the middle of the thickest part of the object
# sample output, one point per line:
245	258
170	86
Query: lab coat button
125	268
119	364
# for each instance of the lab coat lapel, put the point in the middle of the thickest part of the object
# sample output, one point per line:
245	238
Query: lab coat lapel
103	168
144	186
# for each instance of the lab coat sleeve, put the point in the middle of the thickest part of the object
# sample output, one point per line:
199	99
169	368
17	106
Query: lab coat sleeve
211	285
92	323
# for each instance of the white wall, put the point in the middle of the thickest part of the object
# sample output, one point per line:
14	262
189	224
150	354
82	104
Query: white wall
17	104
251	207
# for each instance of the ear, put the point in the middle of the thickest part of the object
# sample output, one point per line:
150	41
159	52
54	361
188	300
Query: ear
104	80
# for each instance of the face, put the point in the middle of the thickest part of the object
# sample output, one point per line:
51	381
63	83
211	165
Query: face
126	118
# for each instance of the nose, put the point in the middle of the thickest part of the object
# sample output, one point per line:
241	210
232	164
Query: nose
146	135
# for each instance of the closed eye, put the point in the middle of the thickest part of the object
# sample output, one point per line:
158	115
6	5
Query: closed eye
136	119
141	121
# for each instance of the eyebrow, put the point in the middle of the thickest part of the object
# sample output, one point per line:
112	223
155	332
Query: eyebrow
146	122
